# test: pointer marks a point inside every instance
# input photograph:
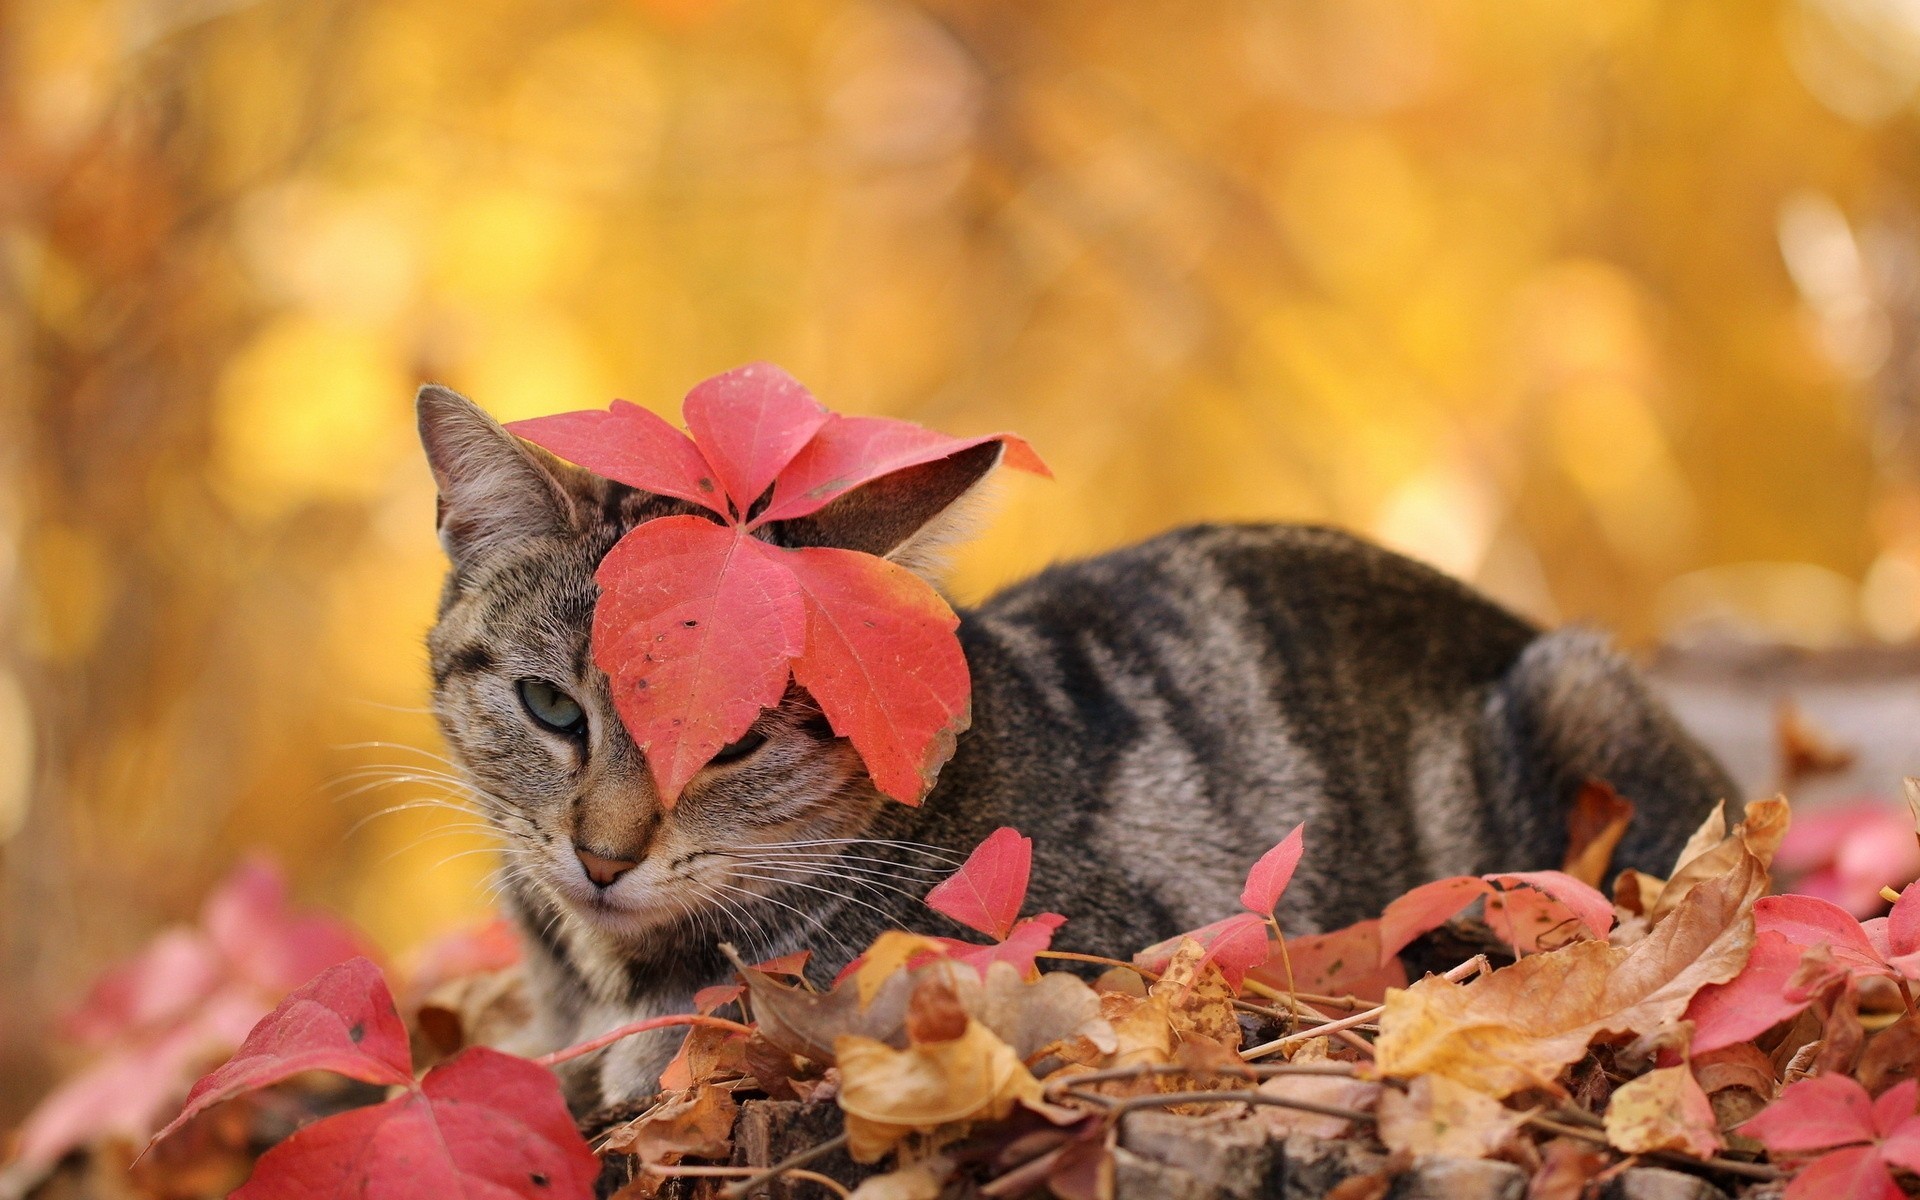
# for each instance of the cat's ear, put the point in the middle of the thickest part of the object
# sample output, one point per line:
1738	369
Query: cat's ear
494	488
910	516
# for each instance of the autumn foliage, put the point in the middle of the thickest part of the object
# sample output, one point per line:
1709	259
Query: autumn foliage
1692	1021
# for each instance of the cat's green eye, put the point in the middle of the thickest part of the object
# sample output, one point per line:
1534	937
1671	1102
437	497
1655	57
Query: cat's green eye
551	707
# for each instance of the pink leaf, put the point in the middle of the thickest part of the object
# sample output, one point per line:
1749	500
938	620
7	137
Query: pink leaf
794	964
1807	922
1894	1107
1427	907
850	451
987	891
1022	946
882	662
483	1124
1813	1114
344	1022
1903	923
1752	1002
161	984
1531	921
695	628
1594	910
1270	876
249	919
1853	1174
749	423
632	445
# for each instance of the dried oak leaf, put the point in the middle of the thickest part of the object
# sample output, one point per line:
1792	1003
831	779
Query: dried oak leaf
1665	1109
1435	1115
697	1122
1516	1027
889	1094
1199	999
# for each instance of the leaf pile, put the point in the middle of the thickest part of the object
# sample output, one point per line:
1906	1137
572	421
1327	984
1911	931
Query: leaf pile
1693	1021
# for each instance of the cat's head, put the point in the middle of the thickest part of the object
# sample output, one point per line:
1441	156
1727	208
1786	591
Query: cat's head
529	716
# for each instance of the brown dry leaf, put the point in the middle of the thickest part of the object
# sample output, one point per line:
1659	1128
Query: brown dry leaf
1358	1094
490	1009
1664	1109
888	1094
698	1122
1198	997
1032	1016
1758	834
1737	1066
1806	751
1892	1055
1567	1167
808	1023
1142	1031
1637	892
1435	1115
1594	828
1516	1027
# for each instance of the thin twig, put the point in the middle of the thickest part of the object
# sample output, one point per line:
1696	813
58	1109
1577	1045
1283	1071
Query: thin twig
704	1172
746	1187
1116	1108
1251	985
1727	1166
1474	965
628	1030
1242	1071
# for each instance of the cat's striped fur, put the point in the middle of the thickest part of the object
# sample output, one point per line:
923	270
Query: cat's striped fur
1153	719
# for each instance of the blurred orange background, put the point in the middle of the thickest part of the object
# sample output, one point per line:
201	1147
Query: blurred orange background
1612	308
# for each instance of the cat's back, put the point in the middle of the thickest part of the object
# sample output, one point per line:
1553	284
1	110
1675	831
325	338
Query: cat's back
1162	713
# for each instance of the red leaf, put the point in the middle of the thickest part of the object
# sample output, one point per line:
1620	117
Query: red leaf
632	445
1343	962
1893	1109
1271	875
1426	907
1814	1114
1752	1002
483	1124
794	964
1236	944
1854	1174
987	891
1594	910
694	628
850	451
749	423
1808	922
1022	946
161	984
344	1022
882	662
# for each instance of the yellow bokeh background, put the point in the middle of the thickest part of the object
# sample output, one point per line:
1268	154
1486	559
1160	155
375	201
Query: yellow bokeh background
1613	308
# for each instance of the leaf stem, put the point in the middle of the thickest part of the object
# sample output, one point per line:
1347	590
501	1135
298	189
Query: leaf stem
1474	965
1116	1108
628	1030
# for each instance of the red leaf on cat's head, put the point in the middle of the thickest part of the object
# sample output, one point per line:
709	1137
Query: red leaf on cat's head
343	1021
695	628
987	891
749	423
700	625
1271	875
850	451
481	1124
632	445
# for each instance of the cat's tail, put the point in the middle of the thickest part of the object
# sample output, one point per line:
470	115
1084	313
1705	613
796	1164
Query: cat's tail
1572	708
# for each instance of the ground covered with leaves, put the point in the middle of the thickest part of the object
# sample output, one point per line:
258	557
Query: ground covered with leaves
1686	1036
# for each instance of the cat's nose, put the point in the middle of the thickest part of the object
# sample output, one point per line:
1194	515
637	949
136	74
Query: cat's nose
603	871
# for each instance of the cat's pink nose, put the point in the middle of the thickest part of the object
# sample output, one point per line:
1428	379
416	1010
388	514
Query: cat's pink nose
603	871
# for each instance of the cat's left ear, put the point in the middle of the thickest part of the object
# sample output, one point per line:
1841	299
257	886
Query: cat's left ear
910	516
494	488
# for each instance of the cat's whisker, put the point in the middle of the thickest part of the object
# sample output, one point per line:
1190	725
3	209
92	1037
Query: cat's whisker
882	913
402	746
847	875
839	943
927	848
844	864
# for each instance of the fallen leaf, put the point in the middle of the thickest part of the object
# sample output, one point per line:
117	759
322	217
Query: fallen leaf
1758	835
1806	752
1567	1167
1598	821
1436	1115
1270	876
1516	1027
986	893
1345	962
1665	1109
1358	1094
889	1094
697	1122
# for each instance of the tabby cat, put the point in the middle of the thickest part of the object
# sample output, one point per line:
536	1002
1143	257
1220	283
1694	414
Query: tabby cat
1153	718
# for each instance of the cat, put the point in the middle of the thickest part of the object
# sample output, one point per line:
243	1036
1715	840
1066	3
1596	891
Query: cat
1153	718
